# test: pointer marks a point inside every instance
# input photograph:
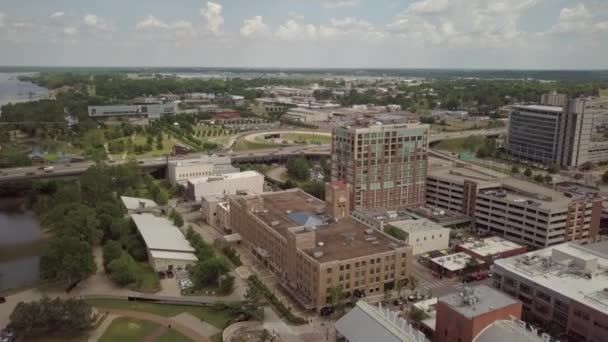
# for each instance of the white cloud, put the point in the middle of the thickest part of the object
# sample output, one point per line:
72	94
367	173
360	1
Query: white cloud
339	3
349	28
95	22
2	16
292	30
476	23
56	15
213	17
70	31
178	28
254	27
578	20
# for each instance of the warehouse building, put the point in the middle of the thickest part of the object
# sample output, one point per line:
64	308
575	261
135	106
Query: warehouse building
166	245
227	184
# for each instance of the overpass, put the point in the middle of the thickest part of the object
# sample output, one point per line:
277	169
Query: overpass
278	154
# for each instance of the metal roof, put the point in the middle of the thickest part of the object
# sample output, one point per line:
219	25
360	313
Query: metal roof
173	255
133	203
160	234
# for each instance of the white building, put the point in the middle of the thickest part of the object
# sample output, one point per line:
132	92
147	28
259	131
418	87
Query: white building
133	204
423	235
227	184
307	115
215	211
178	171
365	323
453	263
151	111
167	246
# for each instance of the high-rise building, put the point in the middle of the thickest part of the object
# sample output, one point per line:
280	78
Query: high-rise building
556	132
385	164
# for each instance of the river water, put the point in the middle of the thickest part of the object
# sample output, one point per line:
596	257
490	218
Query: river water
12	90
21	241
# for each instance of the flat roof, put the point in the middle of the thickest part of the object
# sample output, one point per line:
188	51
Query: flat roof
565	274
454	262
345	239
507	331
173	255
459	174
133	203
366	323
490	246
412	226
160	233
476	301
554	109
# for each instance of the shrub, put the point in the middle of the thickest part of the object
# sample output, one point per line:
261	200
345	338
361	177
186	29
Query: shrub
280	307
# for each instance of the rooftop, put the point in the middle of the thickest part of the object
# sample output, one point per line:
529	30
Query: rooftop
454	262
159	233
462	172
572	270
507	331
476	301
553	109
173	255
490	246
133	203
202	160
366	323
225	177
411	226
341	240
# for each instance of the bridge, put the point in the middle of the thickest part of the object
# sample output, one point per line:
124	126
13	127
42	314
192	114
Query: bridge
278	154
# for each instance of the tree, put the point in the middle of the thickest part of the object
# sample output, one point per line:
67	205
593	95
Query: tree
394	232
586	166
122	270
46	316
418	315
553	168
515	169
528	172
67	258
111	251
471	264
298	168
539	178
548	179
177	218
315	188
413	283
336	295
208	272
605	177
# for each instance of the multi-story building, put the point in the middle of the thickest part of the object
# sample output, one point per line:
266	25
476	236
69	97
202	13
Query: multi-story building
556	132
312	247
463	316
517	210
563	289
423	235
385	164
148	110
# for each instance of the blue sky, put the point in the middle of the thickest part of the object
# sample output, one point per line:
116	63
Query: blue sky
306	33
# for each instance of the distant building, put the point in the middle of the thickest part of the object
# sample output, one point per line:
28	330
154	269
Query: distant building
150	111
226	115
366	323
166	245
227	184
463	316
307	115
385	164
423	235
562	287
179	171
456	264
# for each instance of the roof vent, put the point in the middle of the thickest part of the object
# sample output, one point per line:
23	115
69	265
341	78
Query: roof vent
369	231
375	242
274	223
320	243
287	212
309	200
317	255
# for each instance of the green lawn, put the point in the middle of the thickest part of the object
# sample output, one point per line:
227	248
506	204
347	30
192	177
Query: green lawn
130	329
309	138
246	145
211	316
147	281
455	145
604	92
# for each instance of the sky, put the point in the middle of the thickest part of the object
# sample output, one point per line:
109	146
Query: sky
486	34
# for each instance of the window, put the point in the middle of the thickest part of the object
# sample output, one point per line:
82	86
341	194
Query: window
341	267
329	270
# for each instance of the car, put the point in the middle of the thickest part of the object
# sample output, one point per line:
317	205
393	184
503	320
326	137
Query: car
162	275
30	173
398	302
326	311
140	162
170	274
41	168
111	161
68	165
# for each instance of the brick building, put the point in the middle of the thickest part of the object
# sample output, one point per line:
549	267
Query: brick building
462	316
312	247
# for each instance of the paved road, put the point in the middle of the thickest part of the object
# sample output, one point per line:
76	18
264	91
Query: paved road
72	169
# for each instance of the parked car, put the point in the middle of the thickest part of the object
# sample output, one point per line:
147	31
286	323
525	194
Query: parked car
326	311
162	275
169	274
7	335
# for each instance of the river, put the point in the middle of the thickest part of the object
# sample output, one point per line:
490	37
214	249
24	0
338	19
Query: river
21	242
12	90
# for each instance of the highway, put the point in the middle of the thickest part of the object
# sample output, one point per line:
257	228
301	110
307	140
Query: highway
73	169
